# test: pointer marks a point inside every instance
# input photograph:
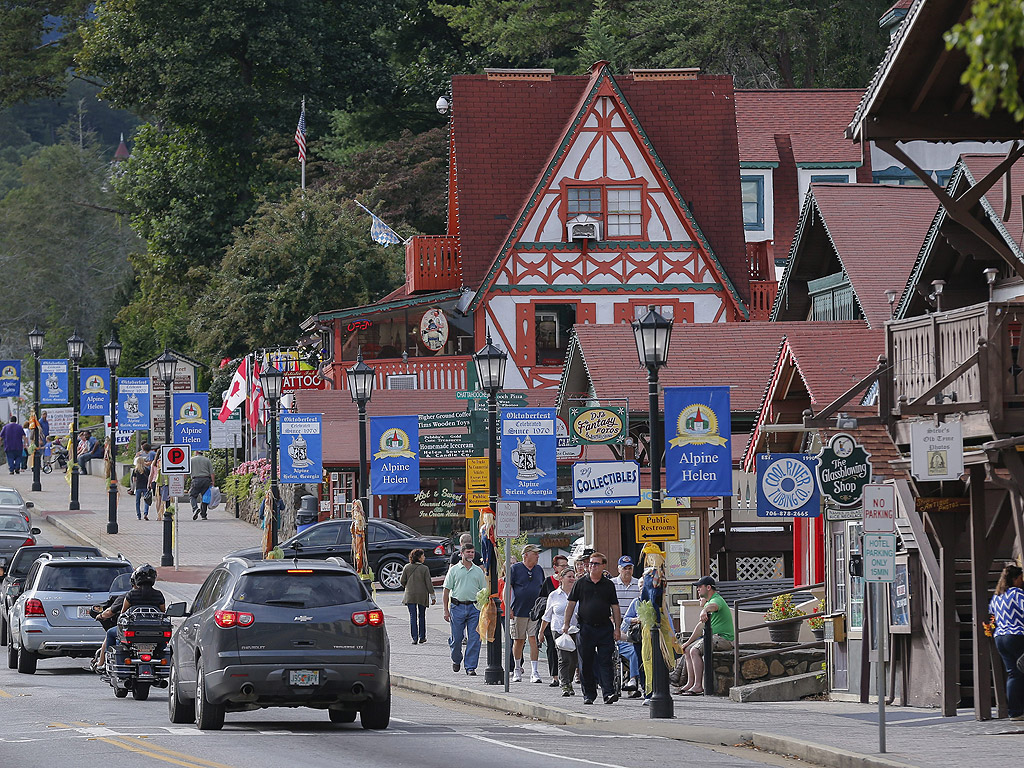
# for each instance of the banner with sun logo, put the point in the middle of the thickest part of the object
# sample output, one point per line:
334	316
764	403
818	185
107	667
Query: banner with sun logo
95	391
698	433
394	455
191	414
10	378
787	485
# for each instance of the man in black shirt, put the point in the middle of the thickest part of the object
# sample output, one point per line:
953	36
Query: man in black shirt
599	618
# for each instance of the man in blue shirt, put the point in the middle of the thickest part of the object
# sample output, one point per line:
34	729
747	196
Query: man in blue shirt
526	579
13	437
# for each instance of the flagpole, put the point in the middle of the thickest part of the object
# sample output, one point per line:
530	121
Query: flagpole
303	154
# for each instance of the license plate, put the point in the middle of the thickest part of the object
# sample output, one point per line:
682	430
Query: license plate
303	677
145	673
83	612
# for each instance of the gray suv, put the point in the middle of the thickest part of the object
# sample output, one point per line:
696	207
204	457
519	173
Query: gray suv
281	633
51	617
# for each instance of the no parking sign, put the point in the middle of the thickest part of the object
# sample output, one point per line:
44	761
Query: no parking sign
176	459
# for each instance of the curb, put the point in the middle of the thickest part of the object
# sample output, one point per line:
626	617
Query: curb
819	754
74	533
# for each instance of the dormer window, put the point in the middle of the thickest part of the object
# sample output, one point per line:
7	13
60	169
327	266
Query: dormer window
618	208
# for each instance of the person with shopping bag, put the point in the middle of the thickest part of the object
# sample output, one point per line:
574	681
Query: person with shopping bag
565	642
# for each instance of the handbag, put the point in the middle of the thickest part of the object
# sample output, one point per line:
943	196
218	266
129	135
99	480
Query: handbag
539	606
633	633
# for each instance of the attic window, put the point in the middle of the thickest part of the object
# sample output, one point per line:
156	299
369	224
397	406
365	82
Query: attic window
519	74
583	200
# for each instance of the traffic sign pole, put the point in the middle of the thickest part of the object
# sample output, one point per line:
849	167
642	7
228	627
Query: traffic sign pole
880	664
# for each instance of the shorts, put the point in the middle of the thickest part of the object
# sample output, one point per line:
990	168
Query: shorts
523	627
721	644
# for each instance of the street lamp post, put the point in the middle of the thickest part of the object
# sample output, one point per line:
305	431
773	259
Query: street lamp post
76	347
166	366
35	342
360	385
112	352
490	370
272	380
652	333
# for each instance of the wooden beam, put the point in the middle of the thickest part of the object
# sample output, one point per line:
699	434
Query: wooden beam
833	408
929	81
905	409
980	653
949	624
972	196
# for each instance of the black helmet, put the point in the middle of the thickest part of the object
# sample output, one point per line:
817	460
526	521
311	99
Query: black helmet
144	576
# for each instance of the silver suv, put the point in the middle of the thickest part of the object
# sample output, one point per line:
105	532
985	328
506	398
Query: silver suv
51	618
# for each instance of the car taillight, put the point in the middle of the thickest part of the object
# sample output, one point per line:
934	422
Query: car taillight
228	619
34	608
29	542
374	618
439	549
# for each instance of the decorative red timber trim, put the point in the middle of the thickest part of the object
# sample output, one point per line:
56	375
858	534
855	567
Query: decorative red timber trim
765	412
625	311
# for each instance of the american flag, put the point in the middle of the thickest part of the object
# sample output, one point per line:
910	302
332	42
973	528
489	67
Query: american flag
300	133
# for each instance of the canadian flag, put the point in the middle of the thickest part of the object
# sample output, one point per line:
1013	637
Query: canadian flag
256	414
235	394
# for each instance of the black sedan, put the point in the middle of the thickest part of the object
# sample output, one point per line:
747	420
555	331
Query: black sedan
388	544
15	533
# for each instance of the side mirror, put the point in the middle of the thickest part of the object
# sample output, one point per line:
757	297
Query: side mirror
29	505
175	610
36	531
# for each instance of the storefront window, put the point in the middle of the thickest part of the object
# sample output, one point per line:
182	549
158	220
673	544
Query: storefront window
856	609
839	574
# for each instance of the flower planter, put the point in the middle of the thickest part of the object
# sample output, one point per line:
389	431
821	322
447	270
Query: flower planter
819	634
784	633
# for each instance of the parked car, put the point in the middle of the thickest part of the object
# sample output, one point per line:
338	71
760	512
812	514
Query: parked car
388	544
15	532
11	501
51	618
280	633
14	574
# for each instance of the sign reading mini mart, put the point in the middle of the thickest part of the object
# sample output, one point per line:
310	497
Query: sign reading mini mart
936	450
844	468
661	527
605	483
598	426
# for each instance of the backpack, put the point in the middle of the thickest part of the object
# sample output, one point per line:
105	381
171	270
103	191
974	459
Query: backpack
540	605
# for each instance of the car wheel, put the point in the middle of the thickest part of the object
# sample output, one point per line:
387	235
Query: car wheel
140	692
120	692
389	574
12	655
342	715
26	662
376	715
179	709
209	716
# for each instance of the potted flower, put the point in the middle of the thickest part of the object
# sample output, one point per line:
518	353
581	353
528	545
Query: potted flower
817	623
783	608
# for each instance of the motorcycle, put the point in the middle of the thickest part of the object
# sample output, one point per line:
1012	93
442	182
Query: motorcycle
141	657
118	589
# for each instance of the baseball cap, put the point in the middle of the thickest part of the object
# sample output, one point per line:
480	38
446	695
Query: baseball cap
625	560
531	548
707	581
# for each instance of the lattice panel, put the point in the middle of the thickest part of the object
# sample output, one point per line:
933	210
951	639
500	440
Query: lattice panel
752	568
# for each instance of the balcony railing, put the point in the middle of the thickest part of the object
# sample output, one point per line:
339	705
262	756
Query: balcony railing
432	263
762	297
431	372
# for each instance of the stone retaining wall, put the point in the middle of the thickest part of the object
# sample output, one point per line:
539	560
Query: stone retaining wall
782	663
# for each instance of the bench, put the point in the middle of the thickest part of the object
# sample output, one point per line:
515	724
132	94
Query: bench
731	591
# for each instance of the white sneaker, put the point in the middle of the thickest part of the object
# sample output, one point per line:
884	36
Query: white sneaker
517	676
647	703
535	679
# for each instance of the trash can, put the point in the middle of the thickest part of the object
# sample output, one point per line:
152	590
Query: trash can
307	513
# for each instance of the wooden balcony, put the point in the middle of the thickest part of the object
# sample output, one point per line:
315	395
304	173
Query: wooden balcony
432	263
431	372
762	297
962	360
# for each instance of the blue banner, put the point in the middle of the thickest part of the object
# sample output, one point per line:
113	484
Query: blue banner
53	377
698	433
394	455
528	454
95	391
787	485
301	448
133	404
10	378
190	414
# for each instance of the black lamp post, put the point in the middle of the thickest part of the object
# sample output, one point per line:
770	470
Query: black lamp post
166	365
652	333
76	347
35	342
272	380
490	371
360	385
112	352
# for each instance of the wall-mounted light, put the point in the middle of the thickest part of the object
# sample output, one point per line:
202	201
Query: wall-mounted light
443	104
990	277
890	296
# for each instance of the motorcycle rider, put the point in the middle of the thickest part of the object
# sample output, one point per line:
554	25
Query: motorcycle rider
141	593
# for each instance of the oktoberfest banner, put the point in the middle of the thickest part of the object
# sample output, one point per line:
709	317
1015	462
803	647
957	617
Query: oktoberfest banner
787	486
190	412
394	455
529	458
53	375
10	378
95	391
133	404
698	432
301	448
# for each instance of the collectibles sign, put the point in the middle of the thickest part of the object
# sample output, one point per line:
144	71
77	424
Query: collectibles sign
54	375
95	391
191	419
598	426
844	469
936	450
301	448
395	462
133	404
10	378
786	486
698	456
528	454
605	483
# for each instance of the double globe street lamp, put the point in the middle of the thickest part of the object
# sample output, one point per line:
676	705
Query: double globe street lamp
166	366
360	385
652	333
35	343
272	381
76	348
112	353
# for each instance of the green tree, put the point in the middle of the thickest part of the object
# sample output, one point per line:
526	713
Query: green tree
993	39
600	41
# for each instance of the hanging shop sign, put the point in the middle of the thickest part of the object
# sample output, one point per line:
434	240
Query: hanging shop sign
440	503
605	483
528	454
598	426
453	420
95	391
395	460
54	376
190	419
844	468
133	403
565	450
698	431
301	448
434	330
10	378
936	450
302	380
786	485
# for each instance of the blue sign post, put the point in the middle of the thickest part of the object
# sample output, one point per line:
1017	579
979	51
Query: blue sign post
133	404
698	432
787	486
395	460
301	448
95	391
529	457
10	378
190	412
53	376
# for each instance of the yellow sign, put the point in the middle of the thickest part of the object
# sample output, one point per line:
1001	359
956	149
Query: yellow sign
478	484
663	527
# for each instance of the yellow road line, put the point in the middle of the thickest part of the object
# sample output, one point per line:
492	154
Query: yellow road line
6	695
134	744
171	752
146	752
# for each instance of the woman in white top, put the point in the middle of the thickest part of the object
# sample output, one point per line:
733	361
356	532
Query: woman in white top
554	616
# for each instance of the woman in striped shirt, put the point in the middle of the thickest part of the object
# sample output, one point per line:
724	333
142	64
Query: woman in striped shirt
1007	605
